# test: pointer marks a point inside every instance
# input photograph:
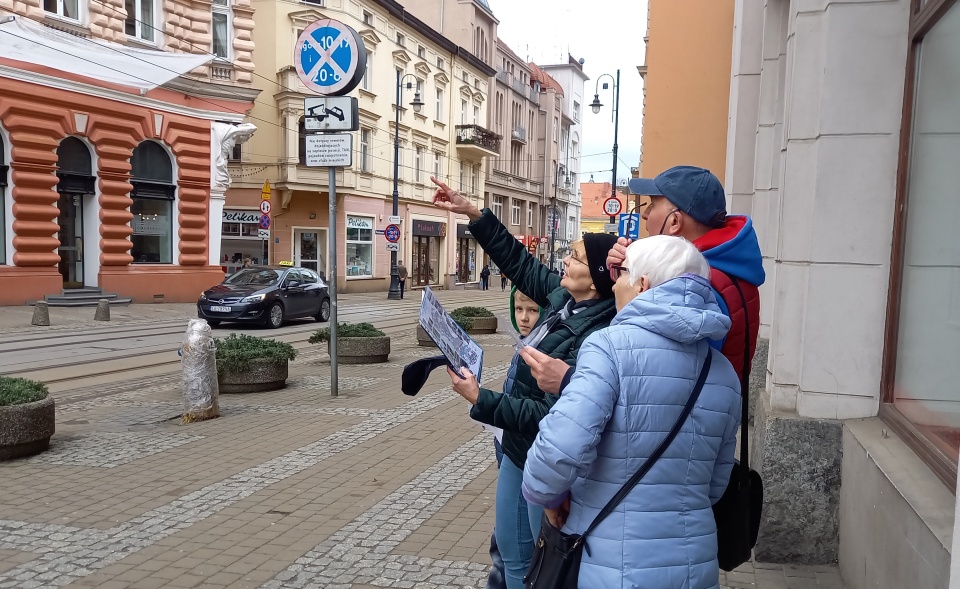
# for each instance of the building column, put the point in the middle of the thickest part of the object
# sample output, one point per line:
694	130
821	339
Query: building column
218	200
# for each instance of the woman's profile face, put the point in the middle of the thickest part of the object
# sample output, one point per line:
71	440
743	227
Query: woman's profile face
576	278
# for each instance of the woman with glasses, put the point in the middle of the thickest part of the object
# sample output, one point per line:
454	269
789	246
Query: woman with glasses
630	386
574	306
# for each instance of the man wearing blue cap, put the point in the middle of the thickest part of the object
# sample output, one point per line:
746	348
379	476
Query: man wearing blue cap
689	202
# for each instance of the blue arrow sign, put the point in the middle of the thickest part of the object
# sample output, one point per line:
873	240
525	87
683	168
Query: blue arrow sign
330	57
629	225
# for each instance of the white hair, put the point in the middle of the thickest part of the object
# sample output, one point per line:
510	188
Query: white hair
662	258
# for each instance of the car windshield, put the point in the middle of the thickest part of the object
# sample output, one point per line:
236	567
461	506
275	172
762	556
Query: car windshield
254	277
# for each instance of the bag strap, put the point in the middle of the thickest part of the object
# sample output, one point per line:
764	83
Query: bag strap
744	382
649	462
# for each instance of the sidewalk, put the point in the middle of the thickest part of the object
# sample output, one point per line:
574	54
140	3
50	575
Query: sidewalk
287	489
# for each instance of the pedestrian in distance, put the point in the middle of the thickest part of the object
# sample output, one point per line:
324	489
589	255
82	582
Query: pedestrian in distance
634	381
503	281
401	276
485	278
573	308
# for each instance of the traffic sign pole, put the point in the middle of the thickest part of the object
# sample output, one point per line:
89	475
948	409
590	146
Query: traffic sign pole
332	280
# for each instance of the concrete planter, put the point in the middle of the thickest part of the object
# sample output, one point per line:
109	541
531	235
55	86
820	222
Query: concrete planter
362	350
423	339
26	429
483	325
256	377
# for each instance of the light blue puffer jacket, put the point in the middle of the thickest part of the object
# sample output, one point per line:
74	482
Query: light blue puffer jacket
631	383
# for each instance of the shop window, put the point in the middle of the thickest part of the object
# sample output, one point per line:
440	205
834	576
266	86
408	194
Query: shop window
923	330
359	247
221	24
141	20
66	8
4	172
154	193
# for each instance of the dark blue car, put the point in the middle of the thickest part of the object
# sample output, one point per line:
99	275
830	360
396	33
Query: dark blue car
266	295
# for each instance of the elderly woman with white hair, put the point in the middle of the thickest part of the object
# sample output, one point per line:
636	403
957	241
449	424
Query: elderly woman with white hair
631	385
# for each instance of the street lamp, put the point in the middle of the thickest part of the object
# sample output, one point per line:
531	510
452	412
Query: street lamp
417	104
553	214
595	106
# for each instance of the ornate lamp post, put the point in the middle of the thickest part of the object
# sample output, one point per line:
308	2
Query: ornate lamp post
417	104
595	106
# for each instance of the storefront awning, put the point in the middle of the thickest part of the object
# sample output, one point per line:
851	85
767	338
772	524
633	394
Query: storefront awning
25	40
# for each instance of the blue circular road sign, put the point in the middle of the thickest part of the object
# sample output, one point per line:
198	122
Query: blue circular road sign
392	233
330	58
264	221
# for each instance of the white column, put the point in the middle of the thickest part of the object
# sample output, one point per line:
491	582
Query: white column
215	231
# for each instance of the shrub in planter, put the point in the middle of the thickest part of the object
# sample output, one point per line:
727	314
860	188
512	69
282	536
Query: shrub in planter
475	320
27	417
248	364
357	343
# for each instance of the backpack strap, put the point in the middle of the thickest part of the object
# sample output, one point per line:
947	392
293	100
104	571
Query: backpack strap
744	380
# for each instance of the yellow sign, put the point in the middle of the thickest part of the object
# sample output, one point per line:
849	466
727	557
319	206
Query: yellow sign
265	192
285	263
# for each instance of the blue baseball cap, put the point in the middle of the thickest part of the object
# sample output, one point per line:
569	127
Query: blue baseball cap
695	191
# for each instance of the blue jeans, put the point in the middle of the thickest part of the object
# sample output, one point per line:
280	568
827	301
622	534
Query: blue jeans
514	524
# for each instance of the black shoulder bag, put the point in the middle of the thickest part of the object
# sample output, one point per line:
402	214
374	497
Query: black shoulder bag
556	556
737	513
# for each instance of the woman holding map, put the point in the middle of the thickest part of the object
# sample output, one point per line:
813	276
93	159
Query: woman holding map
574	306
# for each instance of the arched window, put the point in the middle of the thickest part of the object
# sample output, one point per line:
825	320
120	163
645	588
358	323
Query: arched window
4	172
75	167
154	192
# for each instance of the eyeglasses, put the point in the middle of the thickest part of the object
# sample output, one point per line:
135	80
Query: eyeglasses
573	256
616	270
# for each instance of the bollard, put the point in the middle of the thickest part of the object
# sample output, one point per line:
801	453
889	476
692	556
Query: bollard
41	314
103	311
200	388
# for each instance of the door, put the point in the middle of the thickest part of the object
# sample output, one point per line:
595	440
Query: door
309	251
294	294
421	260
463	260
70	232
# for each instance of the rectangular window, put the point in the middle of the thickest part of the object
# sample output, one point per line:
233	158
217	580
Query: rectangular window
65	8
401	39
367	18
221	29
476	115
440	63
367	83
439	104
418	165
576	110
556	129
498	207
140	22
474	178
530	215
571	225
922	371
359	247
514	211
421	52
437	169
152	226
463	171
364	150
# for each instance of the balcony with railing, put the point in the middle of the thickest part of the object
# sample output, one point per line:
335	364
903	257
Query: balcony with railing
519	134
476	141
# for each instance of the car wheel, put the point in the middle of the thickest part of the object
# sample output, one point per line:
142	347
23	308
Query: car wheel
213	322
275	316
324	314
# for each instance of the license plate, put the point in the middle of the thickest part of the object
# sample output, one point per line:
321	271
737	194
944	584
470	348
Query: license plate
220	309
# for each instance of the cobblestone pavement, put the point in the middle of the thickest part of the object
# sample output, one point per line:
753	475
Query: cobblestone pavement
287	489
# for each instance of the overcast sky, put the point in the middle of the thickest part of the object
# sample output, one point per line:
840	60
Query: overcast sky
607	34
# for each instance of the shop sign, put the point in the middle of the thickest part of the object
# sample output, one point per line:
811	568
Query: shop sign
359	222
241	216
429	228
463	232
150	225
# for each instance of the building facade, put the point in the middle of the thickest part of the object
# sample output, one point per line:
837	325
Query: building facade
447	138
515	183
571	78
686	85
111	124
843	147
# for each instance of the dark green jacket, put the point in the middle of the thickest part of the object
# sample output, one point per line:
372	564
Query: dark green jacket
520	412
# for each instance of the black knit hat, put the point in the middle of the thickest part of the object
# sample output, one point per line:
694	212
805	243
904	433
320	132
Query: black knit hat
597	246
